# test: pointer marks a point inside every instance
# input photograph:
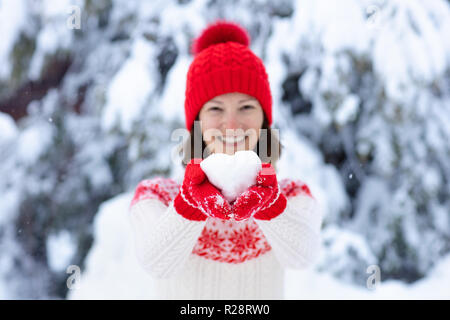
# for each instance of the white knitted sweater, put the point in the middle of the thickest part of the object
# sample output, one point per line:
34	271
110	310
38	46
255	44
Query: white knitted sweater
216	259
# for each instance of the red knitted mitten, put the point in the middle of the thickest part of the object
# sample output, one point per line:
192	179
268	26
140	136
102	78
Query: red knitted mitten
263	200
198	198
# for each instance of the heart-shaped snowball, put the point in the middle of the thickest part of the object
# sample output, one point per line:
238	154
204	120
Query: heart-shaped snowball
232	174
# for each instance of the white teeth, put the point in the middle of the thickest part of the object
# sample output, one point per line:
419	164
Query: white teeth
231	139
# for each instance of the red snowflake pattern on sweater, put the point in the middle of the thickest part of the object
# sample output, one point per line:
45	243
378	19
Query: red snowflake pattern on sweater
231	241
291	188
220	240
212	241
159	188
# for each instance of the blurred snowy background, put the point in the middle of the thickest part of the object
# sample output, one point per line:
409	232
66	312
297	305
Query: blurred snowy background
91	91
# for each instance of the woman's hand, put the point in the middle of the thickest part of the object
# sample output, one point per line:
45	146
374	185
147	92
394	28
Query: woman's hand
199	193
262	200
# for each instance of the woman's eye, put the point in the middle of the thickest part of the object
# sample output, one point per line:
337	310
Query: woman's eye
215	109
247	107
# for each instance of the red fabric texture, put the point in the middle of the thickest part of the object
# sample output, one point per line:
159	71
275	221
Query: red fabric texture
263	200
198	193
231	241
224	63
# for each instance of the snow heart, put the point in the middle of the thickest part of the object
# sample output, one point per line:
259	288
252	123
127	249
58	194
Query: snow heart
232	174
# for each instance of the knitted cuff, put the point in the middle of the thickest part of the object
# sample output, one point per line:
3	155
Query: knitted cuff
273	210
186	210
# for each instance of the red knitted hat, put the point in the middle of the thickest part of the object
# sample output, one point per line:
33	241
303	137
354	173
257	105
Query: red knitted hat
224	63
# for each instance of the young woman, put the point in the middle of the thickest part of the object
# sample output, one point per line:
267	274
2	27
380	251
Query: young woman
190	237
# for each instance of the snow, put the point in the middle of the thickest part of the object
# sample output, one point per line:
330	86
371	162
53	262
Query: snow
233	174
8	202
129	90
322	180
348	110
310	284
112	270
172	99
432	180
60	250
12	19
419	56
219	201
33	142
55	35
346	33
8	128
374	193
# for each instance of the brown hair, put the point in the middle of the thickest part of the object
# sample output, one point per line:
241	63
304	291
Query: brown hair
268	147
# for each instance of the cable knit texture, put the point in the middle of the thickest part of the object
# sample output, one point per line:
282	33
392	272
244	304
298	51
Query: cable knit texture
224	63
217	259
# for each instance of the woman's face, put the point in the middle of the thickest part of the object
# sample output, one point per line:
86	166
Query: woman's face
231	122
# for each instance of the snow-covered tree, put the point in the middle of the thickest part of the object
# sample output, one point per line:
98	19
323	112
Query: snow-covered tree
361	98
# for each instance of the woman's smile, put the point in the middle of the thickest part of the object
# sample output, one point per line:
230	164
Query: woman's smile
232	140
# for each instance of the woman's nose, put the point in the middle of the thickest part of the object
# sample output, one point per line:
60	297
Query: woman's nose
231	122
